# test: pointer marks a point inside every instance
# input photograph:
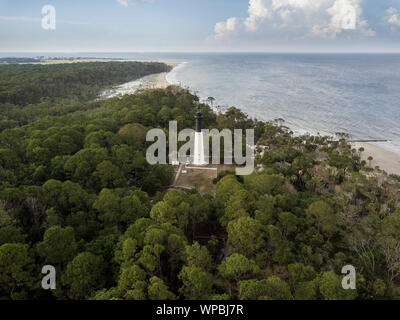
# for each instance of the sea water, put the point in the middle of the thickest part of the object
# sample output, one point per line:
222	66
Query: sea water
317	93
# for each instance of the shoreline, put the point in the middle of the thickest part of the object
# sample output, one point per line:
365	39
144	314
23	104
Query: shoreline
386	160
152	81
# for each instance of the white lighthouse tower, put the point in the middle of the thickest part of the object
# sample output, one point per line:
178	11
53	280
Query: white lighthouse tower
199	157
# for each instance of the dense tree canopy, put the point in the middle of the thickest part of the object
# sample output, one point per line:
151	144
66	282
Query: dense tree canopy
77	192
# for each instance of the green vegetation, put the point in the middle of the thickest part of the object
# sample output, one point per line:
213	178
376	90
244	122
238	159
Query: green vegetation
76	192
30	92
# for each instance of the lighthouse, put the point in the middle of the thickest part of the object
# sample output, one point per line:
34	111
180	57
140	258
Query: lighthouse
199	157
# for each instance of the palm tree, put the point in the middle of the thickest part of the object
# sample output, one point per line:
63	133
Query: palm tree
370	160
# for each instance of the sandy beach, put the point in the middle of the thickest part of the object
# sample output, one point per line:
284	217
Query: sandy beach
386	160
152	81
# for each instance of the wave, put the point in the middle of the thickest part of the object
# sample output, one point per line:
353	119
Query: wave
172	76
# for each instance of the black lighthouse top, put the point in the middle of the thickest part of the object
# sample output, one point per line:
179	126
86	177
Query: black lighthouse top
199	119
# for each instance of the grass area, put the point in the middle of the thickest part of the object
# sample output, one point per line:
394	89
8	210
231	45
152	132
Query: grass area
200	179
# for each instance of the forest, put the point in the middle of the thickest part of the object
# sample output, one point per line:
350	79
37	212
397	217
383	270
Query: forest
33	91
76	192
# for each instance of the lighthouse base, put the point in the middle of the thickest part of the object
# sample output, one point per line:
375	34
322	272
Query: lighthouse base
199	156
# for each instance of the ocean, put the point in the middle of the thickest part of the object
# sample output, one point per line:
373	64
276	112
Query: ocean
315	93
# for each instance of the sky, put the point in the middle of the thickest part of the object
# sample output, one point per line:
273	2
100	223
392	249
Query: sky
200	25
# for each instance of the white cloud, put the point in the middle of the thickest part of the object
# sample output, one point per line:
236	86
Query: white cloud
310	5
392	18
124	3
23	19
299	18
127	3
29	19
258	11
223	28
345	15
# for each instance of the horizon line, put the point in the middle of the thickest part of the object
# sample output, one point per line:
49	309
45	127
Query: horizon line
190	51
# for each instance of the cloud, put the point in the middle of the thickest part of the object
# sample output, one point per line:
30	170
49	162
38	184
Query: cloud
345	15
299	18
124	3
127	3
23	19
29	19
258	11
223	28
392	18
